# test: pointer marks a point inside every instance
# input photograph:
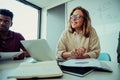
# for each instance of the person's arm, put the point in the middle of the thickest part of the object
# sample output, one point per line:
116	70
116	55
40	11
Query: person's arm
61	48
22	55
25	52
94	45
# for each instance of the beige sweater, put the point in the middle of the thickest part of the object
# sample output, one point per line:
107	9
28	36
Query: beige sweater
69	41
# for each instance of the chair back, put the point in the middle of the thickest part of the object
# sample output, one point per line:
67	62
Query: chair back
104	56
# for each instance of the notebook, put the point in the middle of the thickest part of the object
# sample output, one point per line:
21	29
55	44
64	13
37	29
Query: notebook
39	49
38	70
82	67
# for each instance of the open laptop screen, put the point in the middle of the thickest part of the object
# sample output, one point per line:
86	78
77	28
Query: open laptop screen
39	49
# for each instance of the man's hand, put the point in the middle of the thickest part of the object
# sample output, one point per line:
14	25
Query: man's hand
19	57
22	55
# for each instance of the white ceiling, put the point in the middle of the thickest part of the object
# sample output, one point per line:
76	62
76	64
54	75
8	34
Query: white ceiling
47	3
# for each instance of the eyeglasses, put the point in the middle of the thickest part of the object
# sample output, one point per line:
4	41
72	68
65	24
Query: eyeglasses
75	16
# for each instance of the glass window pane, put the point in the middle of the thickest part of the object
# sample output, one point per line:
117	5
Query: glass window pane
25	19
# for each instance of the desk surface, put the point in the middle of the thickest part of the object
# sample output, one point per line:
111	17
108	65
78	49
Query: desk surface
7	66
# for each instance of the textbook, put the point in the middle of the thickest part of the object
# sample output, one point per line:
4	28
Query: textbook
45	69
82	67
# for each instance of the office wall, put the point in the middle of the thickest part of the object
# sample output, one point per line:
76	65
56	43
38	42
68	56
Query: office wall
105	19
55	25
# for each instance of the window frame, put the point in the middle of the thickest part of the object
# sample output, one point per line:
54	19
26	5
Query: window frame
39	15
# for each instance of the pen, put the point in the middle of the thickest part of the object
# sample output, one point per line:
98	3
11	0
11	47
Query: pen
81	62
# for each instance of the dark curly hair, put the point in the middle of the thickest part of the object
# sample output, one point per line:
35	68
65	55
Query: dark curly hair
6	13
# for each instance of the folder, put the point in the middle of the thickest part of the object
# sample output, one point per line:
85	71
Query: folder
81	67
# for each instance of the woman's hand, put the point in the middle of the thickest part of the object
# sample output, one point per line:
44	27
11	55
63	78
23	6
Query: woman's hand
78	53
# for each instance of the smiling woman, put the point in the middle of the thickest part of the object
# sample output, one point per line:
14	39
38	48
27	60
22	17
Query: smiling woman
25	18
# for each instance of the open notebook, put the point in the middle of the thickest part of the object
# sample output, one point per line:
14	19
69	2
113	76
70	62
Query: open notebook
45	65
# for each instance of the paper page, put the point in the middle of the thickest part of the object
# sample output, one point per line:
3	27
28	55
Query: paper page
81	63
9	55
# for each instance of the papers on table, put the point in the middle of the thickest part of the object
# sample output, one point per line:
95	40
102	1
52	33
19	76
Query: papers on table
81	63
9	55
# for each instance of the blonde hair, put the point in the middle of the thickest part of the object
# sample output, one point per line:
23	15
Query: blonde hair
86	24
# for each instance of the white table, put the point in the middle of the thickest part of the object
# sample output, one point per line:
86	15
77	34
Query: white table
7	66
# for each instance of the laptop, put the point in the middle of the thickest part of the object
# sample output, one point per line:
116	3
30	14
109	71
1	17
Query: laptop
39	49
